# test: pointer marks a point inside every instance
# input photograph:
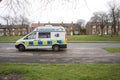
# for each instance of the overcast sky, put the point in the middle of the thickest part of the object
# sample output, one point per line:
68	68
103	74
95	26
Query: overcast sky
67	12
59	11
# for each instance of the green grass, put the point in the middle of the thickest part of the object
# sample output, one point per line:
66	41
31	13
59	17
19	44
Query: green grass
112	50
75	38
63	71
9	38
93	38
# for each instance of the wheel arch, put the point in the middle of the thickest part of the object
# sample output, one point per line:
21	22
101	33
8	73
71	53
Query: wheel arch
56	47
22	45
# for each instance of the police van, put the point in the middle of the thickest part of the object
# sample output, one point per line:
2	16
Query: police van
42	37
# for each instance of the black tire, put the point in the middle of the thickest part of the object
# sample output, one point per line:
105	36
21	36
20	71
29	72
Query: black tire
56	47
21	48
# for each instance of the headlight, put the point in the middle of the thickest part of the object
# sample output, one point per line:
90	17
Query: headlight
17	43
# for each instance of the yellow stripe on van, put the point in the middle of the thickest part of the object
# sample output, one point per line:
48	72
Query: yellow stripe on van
26	43
64	42
54	41
44	43
35	42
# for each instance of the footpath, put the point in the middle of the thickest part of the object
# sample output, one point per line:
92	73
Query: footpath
70	55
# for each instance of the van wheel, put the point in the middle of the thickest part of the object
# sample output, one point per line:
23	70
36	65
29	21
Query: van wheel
56	48
21	48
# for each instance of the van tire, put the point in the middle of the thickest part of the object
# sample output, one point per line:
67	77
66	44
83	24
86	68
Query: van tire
21	48
56	48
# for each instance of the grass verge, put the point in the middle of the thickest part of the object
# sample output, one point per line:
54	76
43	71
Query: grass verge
93	38
112	50
63	71
75	38
9	38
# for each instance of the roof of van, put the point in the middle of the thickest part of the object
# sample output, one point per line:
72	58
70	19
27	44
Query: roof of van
50	28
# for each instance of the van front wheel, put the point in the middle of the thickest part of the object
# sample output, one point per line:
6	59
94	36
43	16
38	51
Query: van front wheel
21	48
56	48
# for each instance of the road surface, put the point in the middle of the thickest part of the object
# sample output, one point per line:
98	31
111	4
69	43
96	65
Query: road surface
74	45
75	53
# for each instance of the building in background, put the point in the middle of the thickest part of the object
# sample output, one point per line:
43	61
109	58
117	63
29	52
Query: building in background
71	28
95	28
12	30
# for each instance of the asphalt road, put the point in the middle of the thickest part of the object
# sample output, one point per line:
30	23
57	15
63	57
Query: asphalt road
73	45
75	53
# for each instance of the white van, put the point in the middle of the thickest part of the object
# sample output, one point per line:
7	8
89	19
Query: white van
49	36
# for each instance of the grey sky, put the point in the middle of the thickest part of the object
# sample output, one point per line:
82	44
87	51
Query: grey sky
59	10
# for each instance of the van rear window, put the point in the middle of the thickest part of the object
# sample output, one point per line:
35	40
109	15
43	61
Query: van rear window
44	35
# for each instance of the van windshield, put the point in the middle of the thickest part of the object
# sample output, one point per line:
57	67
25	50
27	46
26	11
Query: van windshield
31	36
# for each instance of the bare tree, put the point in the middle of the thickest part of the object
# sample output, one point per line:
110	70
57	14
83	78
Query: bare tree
9	22
107	22
20	5
102	20
114	11
81	23
118	21
24	22
112	18
14	5
95	20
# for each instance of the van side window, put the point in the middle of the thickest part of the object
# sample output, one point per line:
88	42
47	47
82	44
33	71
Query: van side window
31	36
44	35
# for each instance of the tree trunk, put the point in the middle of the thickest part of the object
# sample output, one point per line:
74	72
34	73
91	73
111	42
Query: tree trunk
96	30
102	27
118	29
114	22
5	32
112	31
9	30
107	29
118	17
101	32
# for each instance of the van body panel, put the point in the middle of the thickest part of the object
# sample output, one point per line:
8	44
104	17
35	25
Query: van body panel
43	38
